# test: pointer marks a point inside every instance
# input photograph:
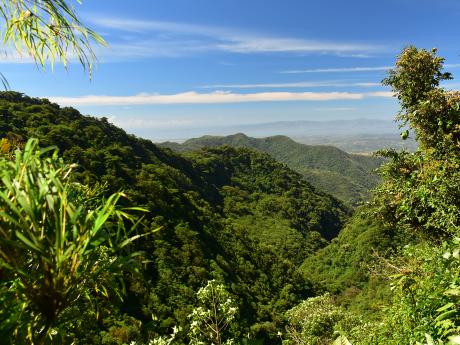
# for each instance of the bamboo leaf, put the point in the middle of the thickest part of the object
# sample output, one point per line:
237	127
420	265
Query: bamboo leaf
29	243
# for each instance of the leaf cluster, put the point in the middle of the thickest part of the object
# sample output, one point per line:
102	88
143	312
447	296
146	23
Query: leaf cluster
48	30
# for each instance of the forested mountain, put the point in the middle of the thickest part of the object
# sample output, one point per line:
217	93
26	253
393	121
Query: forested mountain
394	270
348	177
228	224
229	213
346	266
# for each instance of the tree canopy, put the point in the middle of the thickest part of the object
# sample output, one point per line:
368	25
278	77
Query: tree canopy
413	219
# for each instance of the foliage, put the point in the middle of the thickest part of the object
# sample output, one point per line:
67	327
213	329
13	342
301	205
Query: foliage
48	30
416	205
210	321
420	192
161	340
425	288
419	198
63	263
347	266
341	340
54	252
319	320
313	321
415	80
346	176
229	214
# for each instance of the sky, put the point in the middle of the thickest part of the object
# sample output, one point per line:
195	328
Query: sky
179	65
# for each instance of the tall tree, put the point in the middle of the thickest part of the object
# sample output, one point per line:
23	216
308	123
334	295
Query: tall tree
420	198
421	192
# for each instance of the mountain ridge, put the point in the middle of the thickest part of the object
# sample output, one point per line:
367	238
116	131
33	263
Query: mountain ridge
232	214
348	177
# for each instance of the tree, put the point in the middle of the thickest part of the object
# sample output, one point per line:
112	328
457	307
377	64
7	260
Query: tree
428	109
48	31
210	321
420	198
420	192
313	321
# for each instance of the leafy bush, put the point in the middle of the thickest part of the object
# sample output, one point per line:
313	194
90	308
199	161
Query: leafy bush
60	243
312	322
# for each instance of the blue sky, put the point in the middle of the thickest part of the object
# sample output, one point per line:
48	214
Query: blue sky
179	64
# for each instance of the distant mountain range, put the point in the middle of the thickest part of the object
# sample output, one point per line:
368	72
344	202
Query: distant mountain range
356	136
348	177
328	128
361	143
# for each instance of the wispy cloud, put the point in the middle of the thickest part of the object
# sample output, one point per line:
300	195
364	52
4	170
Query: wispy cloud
208	38
212	98
8	54
142	123
260	44
339	70
381	94
303	84
351	69
143	26
226	63
336	109
148	48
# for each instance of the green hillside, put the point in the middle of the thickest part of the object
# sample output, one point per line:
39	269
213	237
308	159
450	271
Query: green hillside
348	177
394	269
347	268
229	213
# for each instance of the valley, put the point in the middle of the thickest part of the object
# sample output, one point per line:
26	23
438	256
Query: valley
229	173
348	177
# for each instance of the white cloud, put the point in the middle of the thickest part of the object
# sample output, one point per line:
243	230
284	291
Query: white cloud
177	35
148	48
351	69
305	84
381	94
359	56
143	26
260	44
9	54
142	123
212	98
16	58
339	70
336	109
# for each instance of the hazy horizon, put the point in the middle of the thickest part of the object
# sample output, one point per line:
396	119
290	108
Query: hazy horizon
293	129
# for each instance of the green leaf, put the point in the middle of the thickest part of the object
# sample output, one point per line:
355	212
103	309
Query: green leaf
429	339
447	315
341	340
29	243
135	237
445	307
